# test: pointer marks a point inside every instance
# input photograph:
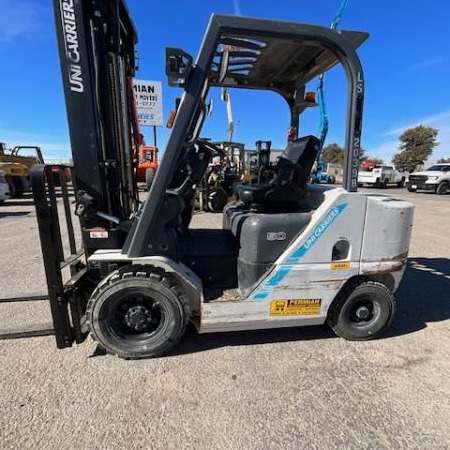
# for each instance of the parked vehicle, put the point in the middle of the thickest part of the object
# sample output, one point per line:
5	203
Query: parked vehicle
436	178
225	170
257	163
148	165
321	174
382	176
17	163
4	187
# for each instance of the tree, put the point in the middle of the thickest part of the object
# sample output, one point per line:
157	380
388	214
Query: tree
333	153
416	145
444	160
362	155
377	161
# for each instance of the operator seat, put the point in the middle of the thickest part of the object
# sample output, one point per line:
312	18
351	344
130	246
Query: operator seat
291	176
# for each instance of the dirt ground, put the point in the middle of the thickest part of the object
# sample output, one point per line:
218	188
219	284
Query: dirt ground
277	389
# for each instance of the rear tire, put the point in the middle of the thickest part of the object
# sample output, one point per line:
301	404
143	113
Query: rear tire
410	189
149	177
137	312
442	188
362	311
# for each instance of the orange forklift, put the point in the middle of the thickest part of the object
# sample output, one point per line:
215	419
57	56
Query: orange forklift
147	165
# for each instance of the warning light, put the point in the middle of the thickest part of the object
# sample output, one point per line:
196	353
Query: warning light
171	118
310	97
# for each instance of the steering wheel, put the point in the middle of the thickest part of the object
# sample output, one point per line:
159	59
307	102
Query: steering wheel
205	142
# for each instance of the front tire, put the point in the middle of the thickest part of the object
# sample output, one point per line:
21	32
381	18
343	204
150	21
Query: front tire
442	188
362	311
410	189
137	312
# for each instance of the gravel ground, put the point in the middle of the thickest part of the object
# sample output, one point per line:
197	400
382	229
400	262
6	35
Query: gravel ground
277	389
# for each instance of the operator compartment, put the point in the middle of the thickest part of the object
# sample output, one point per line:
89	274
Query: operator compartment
212	255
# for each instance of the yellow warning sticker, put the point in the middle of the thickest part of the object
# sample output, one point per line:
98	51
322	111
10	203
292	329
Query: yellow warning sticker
295	307
343	265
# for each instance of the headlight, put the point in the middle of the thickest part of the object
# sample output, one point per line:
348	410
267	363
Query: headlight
432	178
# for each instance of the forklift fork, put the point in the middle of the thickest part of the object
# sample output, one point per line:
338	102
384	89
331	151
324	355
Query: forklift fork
67	301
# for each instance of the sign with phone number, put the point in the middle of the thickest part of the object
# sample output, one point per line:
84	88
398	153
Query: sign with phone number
148	99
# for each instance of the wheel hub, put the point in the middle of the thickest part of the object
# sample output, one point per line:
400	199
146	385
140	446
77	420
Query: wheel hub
138	317
362	312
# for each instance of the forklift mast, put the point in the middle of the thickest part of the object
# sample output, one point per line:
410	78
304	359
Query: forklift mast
96	40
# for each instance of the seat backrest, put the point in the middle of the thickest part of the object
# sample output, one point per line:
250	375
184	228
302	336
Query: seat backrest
302	150
292	173
299	156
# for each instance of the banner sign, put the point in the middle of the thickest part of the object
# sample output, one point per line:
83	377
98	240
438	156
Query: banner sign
148	98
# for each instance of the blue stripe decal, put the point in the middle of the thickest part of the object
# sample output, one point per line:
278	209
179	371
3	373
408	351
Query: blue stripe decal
261	295
279	275
284	270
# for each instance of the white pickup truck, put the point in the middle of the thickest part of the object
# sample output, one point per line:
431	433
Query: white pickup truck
382	176
436	178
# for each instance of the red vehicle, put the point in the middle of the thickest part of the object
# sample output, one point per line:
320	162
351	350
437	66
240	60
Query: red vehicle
148	164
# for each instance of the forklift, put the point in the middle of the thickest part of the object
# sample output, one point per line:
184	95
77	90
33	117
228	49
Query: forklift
289	254
257	163
227	169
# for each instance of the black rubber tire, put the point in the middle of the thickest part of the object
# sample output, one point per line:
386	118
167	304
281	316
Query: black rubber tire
401	183
375	298
21	185
410	189
217	200
149	177
442	188
110	311
12	189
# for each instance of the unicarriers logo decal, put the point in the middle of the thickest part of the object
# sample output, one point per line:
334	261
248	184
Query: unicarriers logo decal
70	32
318	231
282	271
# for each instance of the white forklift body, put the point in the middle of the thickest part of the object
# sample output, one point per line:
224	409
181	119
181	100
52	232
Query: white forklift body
350	236
288	254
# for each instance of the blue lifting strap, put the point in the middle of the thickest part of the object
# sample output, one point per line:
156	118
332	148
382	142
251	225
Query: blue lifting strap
324	121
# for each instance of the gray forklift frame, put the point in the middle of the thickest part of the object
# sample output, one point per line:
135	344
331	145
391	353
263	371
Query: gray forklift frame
142	239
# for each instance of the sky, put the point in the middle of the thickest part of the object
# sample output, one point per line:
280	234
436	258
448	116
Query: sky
406	65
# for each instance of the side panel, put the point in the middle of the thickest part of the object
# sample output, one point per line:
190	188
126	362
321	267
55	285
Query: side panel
305	278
